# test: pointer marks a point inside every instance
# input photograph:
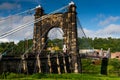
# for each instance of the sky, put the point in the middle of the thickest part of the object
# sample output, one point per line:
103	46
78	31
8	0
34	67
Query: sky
99	18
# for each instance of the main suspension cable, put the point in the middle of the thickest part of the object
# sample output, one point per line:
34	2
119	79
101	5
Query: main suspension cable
29	23
17	14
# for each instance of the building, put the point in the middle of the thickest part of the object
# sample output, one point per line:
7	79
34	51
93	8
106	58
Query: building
115	55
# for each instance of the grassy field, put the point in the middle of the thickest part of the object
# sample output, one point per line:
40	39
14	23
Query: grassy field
39	76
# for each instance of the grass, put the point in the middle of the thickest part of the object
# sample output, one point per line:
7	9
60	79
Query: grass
40	76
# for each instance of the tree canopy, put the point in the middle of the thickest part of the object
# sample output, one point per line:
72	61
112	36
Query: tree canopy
84	43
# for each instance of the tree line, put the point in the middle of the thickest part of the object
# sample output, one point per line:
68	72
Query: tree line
84	43
98	43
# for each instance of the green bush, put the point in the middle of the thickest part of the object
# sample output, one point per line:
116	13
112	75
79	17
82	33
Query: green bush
38	76
4	75
114	65
11	75
89	67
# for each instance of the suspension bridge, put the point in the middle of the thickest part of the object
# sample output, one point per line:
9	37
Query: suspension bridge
37	58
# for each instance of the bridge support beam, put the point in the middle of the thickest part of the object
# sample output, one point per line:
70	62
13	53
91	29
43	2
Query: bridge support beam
58	65
65	69
24	63
38	64
49	64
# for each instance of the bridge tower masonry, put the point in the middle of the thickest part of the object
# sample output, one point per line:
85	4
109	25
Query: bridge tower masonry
68	23
37	38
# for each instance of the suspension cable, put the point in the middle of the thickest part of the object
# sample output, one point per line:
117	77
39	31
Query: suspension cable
80	26
37	41
41	51
29	23
39	54
33	44
5	52
19	28
17	14
45	32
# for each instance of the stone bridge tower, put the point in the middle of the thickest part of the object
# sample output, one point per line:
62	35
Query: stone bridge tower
67	22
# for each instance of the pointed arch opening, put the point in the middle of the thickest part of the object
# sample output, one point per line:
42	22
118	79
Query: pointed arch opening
55	36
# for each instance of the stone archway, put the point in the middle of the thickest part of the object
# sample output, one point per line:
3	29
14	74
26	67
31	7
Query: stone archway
55	33
67	22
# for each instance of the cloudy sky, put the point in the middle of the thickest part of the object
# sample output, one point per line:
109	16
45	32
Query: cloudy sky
99	18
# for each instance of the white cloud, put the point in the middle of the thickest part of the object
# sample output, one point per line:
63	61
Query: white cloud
111	30
109	20
15	22
8	6
55	33
4	40
98	17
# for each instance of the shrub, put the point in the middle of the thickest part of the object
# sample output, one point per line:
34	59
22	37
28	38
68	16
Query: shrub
89	67
115	63
8	75
38	76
